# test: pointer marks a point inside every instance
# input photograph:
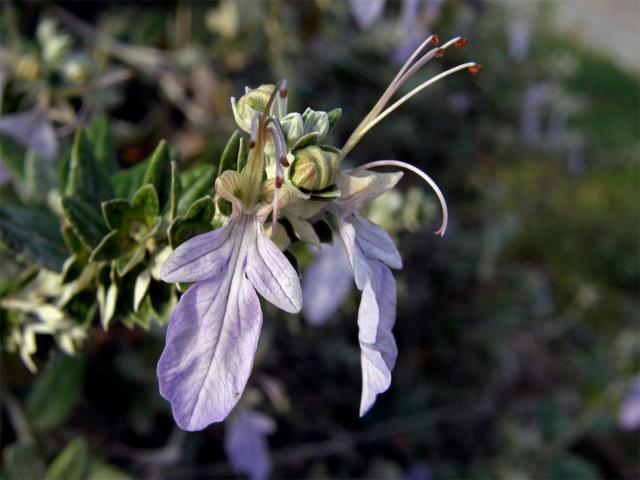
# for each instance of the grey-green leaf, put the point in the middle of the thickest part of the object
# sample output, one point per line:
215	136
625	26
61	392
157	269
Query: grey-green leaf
86	222
72	463
159	172
22	462
33	233
55	393
146	203
229	158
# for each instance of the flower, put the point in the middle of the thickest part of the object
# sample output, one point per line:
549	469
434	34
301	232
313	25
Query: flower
214	330
245	443
370	250
629	416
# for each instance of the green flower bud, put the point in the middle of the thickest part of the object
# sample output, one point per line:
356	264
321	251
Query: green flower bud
292	127
254	101
316	122
314	168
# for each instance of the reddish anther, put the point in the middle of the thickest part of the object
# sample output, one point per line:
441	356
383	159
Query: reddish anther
435	40
475	69
284	162
461	42
278	182
439	53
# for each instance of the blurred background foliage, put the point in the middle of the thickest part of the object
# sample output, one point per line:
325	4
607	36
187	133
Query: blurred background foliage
517	332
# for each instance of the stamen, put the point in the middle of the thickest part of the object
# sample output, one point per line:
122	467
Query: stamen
283	88
406	72
475	69
425	177
416	90
274	212
461	42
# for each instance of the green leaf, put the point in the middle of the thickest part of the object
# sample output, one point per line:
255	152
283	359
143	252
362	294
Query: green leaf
33	233
72	463
86	175
334	116
22	462
73	241
197	220
196	182
145	203
99	133
112	246
72	268
117	212
86	222
126	182
242	155
229	158
174	193
99	470
158	172
305	141
107	300
130	260
55	393
12	155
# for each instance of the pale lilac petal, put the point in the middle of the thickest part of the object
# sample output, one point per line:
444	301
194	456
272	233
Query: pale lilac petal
33	130
211	342
200	257
377	243
272	275
327	280
376	317
366	12
629	417
246	446
359	187
357	259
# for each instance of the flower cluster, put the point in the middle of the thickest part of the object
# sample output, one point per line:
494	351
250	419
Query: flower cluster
286	172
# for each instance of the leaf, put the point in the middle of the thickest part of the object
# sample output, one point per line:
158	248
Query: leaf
55	393
196	182
117	213
334	116
22	462
85	220
33	233
140	290
229	157
145	202
112	246
73	241
108	309
130	260
99	133
126	182
174	194
158	172
86	175
197	220
305	141
99	470
12	155
72	463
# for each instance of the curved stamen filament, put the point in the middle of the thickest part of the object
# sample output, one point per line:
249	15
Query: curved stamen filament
421	174
413	92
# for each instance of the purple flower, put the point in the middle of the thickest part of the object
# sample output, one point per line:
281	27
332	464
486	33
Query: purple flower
326	282
214	330
629	417
366	12
33	130
246	446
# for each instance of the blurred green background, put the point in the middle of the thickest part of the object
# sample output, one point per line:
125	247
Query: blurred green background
518	332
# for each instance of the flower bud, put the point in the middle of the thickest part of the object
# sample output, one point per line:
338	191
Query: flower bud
252	102
316	122
292	127
314	169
